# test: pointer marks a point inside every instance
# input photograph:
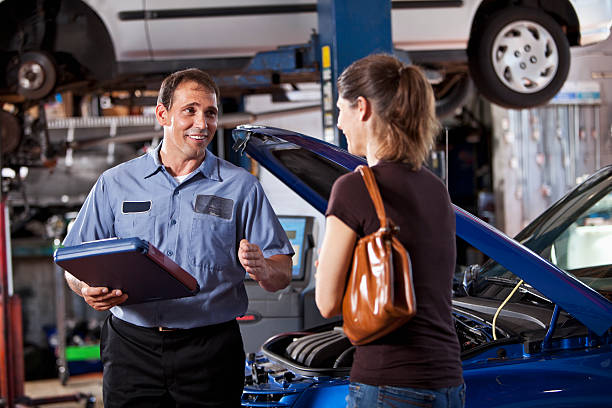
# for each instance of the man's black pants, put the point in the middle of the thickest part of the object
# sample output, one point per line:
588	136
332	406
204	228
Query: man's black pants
145	367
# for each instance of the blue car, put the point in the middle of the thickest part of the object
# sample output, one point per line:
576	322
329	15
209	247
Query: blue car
534	322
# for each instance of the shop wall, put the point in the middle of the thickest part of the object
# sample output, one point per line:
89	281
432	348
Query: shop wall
540	154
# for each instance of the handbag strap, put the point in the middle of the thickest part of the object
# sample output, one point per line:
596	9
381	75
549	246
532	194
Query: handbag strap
370	182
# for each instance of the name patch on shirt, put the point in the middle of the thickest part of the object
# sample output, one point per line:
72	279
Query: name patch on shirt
131	207
215	206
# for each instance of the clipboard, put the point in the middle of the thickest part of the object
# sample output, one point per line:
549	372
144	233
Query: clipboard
130	264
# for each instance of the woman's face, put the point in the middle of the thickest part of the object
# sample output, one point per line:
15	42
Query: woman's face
349	122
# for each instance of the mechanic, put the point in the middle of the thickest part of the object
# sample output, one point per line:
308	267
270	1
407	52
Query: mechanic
213	219
387	112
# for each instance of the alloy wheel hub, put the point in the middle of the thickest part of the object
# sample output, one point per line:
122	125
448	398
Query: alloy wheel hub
525	57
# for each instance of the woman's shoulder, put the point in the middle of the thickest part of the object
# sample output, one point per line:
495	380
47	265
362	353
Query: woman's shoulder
345	188
347	181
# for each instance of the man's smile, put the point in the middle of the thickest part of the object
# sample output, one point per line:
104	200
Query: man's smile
197	135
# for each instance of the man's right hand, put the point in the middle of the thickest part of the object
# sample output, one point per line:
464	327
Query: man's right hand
102	298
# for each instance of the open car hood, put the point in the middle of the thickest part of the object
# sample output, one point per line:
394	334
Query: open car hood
310	166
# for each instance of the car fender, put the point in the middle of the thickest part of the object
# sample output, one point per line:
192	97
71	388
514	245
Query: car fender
547	381
593	28
128	34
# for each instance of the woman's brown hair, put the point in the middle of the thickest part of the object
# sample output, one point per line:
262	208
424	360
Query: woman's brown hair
402	98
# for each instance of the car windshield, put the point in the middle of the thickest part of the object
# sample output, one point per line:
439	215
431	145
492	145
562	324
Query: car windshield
313	170
575	235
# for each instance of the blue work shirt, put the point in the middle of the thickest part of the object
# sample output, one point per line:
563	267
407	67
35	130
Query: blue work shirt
198	223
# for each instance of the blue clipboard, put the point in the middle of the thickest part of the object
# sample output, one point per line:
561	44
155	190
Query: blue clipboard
130	264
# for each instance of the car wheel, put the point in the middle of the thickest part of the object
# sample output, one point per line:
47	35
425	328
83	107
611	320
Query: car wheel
36	75
452	93
519	57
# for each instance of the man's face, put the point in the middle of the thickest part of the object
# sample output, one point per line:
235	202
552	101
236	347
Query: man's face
190	123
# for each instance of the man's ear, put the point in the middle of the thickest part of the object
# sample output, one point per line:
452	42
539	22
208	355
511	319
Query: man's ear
161	113
364	107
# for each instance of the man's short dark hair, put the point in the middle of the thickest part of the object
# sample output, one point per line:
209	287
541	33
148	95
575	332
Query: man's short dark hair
172	81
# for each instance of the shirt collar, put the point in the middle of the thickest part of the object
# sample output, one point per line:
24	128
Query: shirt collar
153	163
209	167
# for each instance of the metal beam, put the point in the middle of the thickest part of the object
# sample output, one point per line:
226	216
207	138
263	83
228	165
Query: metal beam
348	30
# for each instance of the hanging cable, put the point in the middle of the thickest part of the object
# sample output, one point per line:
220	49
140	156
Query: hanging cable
502	306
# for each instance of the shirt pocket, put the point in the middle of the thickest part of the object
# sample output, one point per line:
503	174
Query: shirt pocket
212	241
140	225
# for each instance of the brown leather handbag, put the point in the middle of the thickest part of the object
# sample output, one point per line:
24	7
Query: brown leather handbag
379	295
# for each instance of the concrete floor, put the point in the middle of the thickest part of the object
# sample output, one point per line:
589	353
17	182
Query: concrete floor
84	383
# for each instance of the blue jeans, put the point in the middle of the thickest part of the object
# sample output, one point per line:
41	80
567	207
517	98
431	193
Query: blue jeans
370	396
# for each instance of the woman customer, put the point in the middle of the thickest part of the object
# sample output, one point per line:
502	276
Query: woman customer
387	114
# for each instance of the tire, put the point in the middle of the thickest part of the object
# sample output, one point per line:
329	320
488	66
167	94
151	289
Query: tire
452	93
519	57
36	75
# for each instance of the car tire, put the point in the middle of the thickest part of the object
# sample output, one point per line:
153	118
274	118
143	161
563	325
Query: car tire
36	75
519	57
452	94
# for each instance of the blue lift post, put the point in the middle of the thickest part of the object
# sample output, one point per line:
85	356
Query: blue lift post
348	30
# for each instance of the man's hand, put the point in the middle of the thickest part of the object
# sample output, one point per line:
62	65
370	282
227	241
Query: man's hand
252	260
97	297
272	273
101	298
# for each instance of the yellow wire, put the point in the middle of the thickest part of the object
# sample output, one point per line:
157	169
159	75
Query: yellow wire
502	306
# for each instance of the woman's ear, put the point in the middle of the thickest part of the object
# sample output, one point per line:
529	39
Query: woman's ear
161	113
364	107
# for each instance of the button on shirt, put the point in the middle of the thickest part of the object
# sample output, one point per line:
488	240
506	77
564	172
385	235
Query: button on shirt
198	223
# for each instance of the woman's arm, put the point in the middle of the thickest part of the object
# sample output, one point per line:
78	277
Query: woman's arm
334	261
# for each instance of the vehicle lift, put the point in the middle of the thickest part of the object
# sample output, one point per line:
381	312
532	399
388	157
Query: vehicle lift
348	30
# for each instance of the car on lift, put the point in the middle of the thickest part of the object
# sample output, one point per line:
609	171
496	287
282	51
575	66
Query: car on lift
518	51
534	321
